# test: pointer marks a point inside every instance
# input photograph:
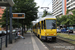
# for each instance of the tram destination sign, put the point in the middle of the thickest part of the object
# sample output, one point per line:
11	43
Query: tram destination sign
18	15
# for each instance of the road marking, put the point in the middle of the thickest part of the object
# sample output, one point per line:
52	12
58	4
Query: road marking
43	44
34	43
27	42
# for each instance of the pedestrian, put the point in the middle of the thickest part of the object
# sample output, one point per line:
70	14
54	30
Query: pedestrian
19	35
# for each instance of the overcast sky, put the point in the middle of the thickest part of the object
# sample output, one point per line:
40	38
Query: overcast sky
44	3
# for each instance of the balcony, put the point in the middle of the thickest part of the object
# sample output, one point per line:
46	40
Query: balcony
72	3
57	9
72	7
58	14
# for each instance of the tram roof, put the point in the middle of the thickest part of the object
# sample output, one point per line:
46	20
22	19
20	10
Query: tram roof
41	19
48	16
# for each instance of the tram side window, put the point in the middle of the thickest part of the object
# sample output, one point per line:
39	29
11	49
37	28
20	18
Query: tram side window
38	25
35	27
42	24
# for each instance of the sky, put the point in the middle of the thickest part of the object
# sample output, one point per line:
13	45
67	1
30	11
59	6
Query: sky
43	3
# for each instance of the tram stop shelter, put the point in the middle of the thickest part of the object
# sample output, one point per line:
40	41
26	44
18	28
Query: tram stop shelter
6	3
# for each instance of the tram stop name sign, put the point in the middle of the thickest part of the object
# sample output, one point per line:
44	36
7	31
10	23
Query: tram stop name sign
18	15
6	3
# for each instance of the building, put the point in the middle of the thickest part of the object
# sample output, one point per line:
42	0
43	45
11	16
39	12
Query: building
1	11
59	7
70	4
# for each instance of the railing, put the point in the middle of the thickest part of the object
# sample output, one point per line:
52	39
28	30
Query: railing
1	43
3	40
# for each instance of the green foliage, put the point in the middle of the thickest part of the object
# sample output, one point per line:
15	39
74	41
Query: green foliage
67	11
45	13
58	21
23	6
66	19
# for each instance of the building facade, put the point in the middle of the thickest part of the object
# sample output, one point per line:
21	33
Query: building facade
70	4
1	11
59	7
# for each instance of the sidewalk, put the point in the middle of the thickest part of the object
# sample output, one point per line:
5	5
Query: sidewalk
31	42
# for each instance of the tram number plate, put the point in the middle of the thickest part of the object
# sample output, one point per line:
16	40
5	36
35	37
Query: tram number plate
49	37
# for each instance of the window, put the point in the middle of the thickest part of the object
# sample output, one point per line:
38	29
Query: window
50	24
67	0
38	25
42	24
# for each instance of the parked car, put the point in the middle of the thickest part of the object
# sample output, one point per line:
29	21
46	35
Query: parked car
64	30
58	30
2	33
70	31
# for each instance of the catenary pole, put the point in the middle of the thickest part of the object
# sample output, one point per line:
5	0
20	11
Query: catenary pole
10	13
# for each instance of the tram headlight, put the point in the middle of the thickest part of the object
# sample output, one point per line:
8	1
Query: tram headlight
47	34
44	30
54	33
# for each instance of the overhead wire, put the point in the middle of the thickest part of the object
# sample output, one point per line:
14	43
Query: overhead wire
43	3
49	3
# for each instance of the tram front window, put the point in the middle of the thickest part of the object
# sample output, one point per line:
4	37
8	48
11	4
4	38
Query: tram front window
50	24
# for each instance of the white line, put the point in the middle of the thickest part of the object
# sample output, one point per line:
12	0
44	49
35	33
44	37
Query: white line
43	44
34	43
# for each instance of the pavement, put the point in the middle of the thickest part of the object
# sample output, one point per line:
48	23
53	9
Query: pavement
31	42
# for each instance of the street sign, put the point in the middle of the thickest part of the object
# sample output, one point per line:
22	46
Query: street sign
18	15
6	3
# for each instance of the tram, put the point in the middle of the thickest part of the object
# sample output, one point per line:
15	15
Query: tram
46	28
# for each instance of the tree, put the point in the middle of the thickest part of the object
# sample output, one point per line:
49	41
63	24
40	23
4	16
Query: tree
45	13
67	19
23	6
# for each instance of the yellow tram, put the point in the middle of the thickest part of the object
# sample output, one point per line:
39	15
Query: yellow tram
46	28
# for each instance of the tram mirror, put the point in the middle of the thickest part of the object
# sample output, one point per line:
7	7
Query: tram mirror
6	3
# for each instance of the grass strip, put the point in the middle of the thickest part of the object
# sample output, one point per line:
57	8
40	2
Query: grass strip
64	36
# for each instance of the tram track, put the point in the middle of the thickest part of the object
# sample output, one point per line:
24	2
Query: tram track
59	45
